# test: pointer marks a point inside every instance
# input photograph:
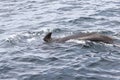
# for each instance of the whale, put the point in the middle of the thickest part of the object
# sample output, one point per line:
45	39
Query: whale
94	36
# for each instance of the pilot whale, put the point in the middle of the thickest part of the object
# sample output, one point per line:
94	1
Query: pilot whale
95	37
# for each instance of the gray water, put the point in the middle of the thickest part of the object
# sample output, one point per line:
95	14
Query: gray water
25	56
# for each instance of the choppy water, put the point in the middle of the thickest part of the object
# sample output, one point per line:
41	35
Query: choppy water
25	56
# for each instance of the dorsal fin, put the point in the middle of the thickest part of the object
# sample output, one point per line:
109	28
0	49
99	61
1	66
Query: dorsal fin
47	38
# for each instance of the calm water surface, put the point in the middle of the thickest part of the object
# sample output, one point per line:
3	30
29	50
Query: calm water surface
25	56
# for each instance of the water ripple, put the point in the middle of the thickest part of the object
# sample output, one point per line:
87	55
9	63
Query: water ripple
25	56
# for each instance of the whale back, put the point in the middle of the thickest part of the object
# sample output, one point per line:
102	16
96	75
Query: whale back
82	36
97	38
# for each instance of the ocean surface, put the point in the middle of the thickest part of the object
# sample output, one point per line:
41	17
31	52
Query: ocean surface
25	56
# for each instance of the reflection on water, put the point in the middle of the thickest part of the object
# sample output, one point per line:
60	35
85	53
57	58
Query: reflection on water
25	56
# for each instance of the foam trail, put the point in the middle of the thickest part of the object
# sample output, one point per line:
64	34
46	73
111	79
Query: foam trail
116	45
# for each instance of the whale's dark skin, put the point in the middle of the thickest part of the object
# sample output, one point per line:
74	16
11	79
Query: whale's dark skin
95	37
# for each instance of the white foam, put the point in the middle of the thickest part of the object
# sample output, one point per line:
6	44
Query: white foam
31	39
77	41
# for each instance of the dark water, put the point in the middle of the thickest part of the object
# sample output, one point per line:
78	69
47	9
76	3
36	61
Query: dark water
25	56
